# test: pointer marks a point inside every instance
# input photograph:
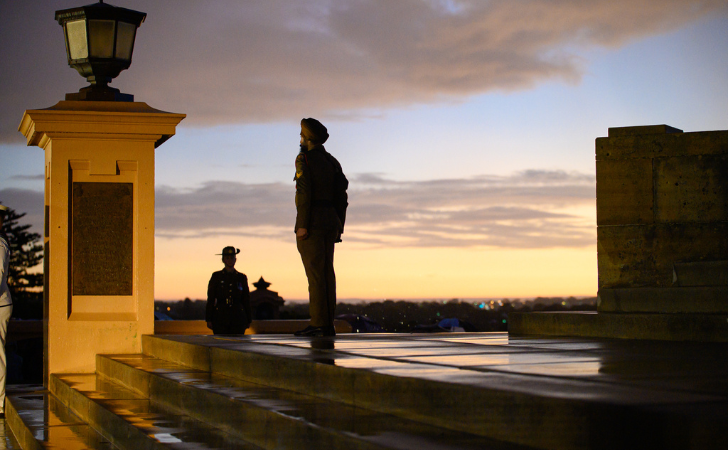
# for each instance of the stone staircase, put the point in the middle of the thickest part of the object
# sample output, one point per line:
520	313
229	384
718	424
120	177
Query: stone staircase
179	394
281	392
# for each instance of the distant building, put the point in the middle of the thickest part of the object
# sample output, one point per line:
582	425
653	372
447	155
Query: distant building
266	304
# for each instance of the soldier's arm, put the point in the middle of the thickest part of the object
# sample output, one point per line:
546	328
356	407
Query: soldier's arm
341	201
246	300
210	307
303	193
341	198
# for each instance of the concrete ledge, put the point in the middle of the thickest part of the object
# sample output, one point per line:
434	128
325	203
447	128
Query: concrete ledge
642	130
199	327
672	300
664	327
181	327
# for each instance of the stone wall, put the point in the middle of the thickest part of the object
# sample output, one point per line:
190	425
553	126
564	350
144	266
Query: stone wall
662	220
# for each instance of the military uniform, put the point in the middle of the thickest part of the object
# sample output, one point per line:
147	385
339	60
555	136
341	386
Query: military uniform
228	302
321	203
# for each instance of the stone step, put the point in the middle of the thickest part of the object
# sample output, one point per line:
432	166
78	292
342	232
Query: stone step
457	383
40	421
666	300
644	326
130	421
276	418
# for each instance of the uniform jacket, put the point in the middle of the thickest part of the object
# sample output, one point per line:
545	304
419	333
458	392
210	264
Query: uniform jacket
228	292
321	198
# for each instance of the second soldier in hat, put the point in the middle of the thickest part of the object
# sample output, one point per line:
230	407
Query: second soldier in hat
228	298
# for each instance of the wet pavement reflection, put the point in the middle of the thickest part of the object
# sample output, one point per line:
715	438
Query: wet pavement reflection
663	366
605	360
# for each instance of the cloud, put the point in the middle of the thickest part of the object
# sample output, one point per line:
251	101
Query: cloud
39	176
251	62
526	210
530	209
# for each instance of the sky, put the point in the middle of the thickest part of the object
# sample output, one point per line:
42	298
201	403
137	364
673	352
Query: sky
466	129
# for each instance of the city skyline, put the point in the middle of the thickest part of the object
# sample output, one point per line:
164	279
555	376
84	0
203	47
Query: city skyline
467	130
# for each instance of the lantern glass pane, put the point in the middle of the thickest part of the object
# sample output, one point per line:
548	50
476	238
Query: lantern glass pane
77	43
125	40
101	38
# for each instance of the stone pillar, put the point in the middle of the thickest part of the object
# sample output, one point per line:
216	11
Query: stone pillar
662	221
99	226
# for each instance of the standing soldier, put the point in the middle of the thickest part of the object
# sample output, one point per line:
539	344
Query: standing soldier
228	298
321	203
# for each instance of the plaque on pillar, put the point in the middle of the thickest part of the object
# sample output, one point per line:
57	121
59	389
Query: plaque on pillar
102	223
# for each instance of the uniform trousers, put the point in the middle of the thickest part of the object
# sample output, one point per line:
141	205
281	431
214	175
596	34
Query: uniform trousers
317	254
229	320
5	313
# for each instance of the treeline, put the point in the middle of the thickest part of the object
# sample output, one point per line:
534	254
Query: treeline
186	309
402	316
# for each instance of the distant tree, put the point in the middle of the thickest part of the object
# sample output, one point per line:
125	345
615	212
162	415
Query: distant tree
26	252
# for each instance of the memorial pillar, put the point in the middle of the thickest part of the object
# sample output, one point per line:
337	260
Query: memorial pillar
99	226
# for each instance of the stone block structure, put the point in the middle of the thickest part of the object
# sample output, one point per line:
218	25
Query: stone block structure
662	240
662	220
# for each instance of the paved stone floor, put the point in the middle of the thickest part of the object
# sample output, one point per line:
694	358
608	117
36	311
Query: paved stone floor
680	368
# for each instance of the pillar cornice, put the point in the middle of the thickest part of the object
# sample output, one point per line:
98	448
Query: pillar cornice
85	119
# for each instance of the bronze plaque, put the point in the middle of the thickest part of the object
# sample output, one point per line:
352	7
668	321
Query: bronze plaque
102	246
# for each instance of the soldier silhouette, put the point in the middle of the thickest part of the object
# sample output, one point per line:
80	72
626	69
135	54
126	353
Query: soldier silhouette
228	297
321	203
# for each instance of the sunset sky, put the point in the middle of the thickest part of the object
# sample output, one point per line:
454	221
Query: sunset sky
466	129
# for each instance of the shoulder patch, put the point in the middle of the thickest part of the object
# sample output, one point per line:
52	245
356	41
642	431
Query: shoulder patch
301	161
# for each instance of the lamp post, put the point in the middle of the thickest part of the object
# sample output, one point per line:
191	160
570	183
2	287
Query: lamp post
99	45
